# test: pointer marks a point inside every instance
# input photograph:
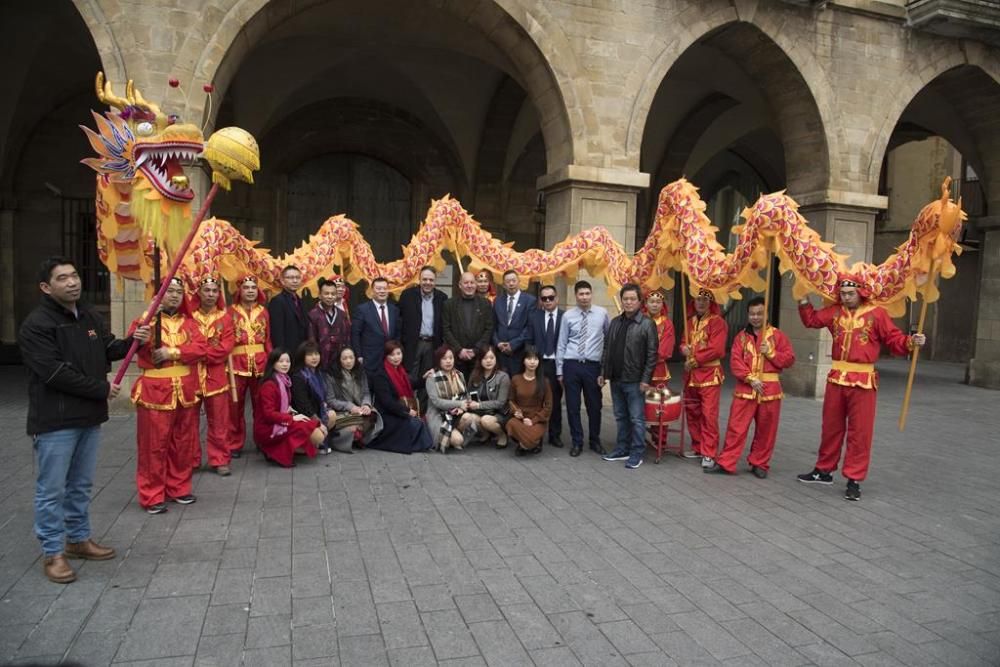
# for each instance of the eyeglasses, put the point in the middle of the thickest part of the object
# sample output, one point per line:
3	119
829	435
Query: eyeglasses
547	298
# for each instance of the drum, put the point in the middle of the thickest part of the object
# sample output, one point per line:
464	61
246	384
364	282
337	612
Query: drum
661	407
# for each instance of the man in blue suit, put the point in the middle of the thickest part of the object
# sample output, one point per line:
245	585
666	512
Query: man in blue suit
374	323
543	333
511	311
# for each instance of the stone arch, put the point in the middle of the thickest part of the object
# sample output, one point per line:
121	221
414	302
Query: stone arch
541	55
975	81
789	76
104	39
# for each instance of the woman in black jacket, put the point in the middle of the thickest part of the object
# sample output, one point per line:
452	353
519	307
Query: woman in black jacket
403	431
309	392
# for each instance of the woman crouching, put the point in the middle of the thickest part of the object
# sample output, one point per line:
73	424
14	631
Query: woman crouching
530	405
278	430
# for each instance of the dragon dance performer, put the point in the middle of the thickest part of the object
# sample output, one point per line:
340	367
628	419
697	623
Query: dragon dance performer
757	357
216	324
655	308
166	400
252	344
703	376
859	330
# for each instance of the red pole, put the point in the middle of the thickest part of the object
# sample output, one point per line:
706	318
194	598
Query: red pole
178	258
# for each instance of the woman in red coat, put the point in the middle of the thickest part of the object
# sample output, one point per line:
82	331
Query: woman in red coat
278	430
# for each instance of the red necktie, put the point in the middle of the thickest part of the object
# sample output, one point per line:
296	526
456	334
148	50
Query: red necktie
385	322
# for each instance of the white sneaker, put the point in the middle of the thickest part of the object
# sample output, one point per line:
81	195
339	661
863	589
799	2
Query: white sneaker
707	462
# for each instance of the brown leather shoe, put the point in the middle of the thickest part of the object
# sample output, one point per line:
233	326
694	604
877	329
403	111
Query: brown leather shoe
57	569
89	550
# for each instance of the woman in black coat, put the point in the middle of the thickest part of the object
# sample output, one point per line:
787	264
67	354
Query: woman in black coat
403	431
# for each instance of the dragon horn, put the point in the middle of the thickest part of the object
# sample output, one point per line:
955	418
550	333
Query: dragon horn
130	92
106	95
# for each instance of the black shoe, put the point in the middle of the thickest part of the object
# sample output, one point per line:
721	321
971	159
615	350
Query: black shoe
597	447
816	477
853	491
236	453
758	472
184	500
158	508
716	469
519	451
556	441
535	450
575	451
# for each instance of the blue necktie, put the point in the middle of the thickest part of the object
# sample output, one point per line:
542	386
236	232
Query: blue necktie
550	336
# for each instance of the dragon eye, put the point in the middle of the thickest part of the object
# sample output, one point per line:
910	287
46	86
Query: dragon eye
144	129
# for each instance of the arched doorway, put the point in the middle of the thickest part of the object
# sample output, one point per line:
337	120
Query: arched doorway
415	86
46	195
736	117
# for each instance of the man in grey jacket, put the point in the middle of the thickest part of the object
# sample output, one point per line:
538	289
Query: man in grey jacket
628	361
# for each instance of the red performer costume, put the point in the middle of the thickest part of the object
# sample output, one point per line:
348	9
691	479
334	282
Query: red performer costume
217	327
703	378
166	400
274	427
666	340
852	384
252	344
762	408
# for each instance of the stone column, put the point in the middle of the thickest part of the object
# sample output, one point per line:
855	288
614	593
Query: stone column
848	220
984	367
578	198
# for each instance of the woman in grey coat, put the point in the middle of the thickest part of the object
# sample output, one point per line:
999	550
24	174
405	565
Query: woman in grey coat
490	387
448	406
348	393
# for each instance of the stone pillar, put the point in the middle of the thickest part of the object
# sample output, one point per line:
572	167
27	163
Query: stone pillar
8	316
984	367
848	220
578	198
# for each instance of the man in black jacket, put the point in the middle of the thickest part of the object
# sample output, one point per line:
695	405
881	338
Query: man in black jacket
468	323
289	323
67	351
422	329
628	362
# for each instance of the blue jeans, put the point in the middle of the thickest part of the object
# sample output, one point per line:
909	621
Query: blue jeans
66	460
629	405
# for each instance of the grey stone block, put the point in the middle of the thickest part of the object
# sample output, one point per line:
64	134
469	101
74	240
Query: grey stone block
400	625
449	635
268	631
164	627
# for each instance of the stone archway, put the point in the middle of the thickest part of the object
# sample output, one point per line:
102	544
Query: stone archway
527	44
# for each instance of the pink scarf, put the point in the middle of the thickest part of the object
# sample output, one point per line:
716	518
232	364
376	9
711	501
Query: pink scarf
284	383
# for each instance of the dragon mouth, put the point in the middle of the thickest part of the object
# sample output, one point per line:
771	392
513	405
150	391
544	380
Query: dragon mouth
161	164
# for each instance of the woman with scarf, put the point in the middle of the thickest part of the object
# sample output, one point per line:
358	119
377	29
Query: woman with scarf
347	392
448	406
309	396
277	429
402	429
490	387
530	405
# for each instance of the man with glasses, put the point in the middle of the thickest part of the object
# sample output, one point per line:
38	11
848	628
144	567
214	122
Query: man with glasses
578	365
287	315
543	333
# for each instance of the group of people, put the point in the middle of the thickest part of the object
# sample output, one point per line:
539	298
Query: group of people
430	372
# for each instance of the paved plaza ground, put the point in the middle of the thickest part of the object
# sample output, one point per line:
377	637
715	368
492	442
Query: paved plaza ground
483	558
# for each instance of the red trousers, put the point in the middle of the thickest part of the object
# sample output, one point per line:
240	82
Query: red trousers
237	411
849	410
218	414
702	407
163	464
764	416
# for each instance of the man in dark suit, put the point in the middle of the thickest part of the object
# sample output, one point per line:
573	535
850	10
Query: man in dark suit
543	333
468	323
422	328
374	323
511	311
289	324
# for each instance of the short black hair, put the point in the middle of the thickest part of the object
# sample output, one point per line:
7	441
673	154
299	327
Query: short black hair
756	301
545	287
508	272
290	267
582	284
49	265
380	279
630	287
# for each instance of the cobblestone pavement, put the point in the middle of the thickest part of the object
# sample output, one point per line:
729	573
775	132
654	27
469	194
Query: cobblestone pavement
482	558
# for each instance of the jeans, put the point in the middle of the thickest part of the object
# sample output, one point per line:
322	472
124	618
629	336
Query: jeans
66	460
629	405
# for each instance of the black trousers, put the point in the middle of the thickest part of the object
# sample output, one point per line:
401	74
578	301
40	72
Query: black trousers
581	377
555	421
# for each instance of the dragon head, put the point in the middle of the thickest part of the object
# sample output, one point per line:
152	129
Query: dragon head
140	142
